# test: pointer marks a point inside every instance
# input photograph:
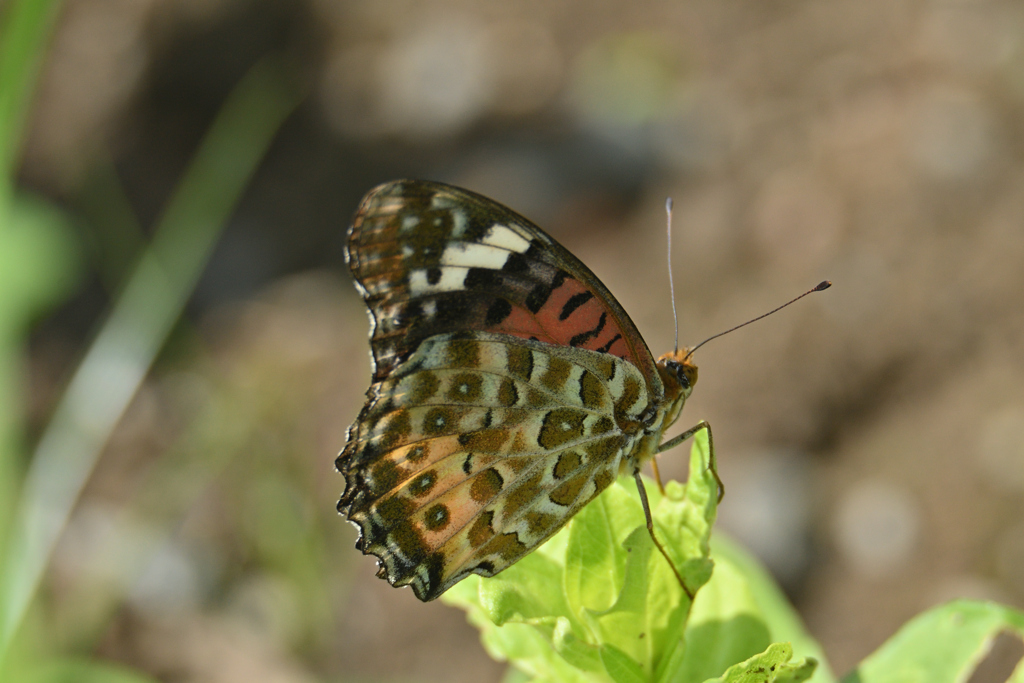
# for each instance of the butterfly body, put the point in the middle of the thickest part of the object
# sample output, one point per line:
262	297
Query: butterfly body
509	387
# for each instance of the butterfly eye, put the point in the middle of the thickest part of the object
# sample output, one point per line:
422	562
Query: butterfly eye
677	368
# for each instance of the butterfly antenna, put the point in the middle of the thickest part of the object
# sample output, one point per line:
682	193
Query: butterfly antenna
671	285
821	286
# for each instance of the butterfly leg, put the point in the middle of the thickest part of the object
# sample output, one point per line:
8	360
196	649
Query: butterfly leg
672	443
650	530
657	475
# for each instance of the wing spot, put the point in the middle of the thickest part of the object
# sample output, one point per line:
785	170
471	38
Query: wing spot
466	387
396	429
540	523
486	440
507	546
508	395
486	485
566	493
463	353
574	302
541	292
561	426
437	517
485	568
481	531
394	510
591	390
523	494
603	480
416	453
603	425
497	312
422	484
555	377
478	278
519	360
606	347
409	543
515	264
437	420
584	337
424	385
630	395
567	464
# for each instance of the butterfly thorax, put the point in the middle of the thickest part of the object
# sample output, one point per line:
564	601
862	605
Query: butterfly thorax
678	375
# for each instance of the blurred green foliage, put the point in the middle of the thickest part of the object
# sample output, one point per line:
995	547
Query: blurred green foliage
36	255
37	269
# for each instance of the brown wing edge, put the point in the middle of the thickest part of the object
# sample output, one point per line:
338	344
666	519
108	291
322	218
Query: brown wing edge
394	569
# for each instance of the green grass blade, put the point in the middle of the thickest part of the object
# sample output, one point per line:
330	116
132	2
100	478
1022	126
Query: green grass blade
25	28
142	317
24	34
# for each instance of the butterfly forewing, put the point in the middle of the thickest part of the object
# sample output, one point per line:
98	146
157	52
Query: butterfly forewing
432	258
508	386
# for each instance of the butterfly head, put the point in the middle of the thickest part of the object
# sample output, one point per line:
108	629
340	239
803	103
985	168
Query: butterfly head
678	373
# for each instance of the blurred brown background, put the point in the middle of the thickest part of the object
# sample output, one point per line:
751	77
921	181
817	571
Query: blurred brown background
871	438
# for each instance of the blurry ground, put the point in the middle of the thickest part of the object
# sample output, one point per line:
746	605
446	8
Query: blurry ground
870	438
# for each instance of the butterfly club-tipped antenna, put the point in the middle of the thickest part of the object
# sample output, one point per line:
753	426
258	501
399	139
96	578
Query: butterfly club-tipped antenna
671	284
672	443
820	287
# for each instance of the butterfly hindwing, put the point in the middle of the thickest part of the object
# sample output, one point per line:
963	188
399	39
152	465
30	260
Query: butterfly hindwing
431	258
478	447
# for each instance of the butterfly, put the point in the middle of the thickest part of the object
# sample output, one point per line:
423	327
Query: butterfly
509	388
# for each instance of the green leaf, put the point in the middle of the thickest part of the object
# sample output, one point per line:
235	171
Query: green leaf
725	626
772	665
738	614
943	644
742	609
593	567
25	30
544	647
598	601
620	666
